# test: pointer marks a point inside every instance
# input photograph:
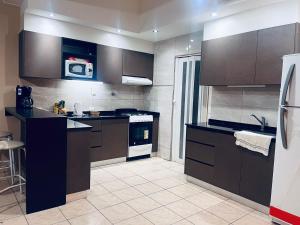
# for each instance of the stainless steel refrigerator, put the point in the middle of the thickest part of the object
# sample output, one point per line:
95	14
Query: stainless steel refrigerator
285	201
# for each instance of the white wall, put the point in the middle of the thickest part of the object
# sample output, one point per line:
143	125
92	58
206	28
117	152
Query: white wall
159	97
277	14
64	29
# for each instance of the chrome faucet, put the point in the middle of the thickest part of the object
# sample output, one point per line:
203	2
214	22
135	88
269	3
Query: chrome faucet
262	122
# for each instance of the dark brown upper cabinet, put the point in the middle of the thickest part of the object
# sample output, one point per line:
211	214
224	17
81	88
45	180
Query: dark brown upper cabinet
109	62
273	43
253	58
213	63
229	60
138	64
40	55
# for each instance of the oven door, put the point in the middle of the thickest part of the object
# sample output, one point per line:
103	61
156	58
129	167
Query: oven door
140	133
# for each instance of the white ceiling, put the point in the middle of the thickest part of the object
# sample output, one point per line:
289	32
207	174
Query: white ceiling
138	18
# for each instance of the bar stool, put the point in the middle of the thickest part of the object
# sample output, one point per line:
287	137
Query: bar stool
4	135
9	145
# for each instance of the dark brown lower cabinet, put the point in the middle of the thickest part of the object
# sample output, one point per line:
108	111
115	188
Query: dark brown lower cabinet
155	130
228	164
114	138
108	138
214	158
78	161
257	175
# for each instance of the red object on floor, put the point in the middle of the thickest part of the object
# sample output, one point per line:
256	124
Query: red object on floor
284	216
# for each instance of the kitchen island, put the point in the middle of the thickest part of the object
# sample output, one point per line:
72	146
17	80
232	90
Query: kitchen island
45	166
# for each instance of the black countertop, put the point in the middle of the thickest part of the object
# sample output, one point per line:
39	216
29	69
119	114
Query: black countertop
74	125
227	127
108	115
35	113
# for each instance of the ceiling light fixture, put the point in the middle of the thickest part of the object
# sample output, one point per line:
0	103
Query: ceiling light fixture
155	31
51	15
192	40
119	31
214	14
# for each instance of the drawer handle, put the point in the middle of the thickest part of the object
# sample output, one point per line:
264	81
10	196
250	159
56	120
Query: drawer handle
201	143
200	162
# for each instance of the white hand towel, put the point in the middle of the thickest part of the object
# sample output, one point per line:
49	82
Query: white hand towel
253	141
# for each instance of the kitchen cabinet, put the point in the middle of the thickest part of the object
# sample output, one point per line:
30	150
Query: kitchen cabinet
228	164
110	64
108	138
78	161
40	55
257	175
214	158
253	58
200	155
229	60
138	64
240	59
155	130
273	43
114	138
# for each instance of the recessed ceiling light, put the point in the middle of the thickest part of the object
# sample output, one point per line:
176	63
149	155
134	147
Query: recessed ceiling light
214	14
119	31
155	31
192	40
51	14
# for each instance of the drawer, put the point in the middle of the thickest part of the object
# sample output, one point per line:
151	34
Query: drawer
202	136
96	124
96	154
96	139
199	171
200	152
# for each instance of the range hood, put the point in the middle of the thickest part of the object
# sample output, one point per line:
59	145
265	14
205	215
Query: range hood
139	81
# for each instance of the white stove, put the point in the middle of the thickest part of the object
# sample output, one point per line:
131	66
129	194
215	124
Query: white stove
140	133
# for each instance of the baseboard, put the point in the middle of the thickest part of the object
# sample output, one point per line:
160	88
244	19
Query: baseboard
108	162
227	194
76	196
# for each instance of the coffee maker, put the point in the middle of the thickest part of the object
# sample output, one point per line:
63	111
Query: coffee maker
23	97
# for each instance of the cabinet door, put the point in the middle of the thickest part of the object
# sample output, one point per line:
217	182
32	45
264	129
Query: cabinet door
228	164
109	62
40	55
155	130
213	64
241	58
78	161
229	60
138	64
273	43
114	138
257	175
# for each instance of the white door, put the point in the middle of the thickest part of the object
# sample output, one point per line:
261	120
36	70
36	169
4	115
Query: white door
187	102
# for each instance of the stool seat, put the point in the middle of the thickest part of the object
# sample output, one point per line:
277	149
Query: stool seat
5	134
10	145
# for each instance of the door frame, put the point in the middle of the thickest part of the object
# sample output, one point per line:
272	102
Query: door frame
177	102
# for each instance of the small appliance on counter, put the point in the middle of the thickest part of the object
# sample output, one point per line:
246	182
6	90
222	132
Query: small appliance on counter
59	107
140	132
23	97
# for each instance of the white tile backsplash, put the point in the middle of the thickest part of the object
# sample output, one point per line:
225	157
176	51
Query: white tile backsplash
237	104
89	94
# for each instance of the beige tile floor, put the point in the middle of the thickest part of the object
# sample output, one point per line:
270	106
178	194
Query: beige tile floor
144	192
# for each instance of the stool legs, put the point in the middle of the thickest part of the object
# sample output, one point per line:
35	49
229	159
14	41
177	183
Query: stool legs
20	169
11	165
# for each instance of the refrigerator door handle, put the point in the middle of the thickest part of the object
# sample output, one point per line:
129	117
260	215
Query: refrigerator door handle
287	84
283	110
